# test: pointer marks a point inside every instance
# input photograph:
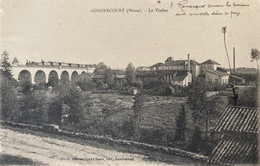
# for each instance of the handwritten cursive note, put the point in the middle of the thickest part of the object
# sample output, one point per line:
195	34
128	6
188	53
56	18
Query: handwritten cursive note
212	8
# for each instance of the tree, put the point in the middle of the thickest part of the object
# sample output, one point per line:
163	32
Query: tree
196	140
247	98
138	84
9	99
255	56
181	126
32	105
109	77
137	108
87	86
6	66
157	87
130	73
101	66
197	95
211	110
100	84
77	101
205	109
54	102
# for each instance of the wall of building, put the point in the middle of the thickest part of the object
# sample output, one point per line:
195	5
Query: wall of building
204	67
171	68
225	79
180	83
195	70
211	77
169	77
216	79
189	78
185	82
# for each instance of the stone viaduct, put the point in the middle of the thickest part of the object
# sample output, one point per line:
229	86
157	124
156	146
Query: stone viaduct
44	72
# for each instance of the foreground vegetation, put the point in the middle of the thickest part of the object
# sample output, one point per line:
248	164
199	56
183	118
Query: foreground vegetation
183	122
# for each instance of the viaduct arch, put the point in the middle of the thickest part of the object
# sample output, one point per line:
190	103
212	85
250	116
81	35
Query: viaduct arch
52	75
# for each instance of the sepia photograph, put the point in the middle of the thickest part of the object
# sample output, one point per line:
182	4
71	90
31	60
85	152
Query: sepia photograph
129	82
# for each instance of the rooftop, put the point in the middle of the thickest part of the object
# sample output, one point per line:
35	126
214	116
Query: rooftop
179	77
234	149
238	119
210	62
15	61
217	72
157	64
238	143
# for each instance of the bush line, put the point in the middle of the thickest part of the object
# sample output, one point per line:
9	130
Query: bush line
167	150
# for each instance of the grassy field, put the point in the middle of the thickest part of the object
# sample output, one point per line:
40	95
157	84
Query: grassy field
159	112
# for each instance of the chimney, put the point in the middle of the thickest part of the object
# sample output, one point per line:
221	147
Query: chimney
189	62
234	60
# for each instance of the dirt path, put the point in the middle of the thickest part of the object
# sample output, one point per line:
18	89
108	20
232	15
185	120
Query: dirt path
50	151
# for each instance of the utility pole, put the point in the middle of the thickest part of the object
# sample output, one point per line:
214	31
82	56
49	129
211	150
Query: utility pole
234	60
224	30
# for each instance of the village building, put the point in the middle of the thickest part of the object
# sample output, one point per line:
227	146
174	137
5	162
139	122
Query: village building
174	65
183	72
213	74
216	77
85	77
174	77
208	65
119	76
224	70
143	68
182	80
148	76
155	66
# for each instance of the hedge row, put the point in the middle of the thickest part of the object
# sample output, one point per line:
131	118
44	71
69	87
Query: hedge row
143	146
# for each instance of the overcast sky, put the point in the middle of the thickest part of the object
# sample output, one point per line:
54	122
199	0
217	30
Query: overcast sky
66	31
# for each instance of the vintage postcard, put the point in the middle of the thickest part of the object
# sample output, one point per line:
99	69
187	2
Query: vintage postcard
129	82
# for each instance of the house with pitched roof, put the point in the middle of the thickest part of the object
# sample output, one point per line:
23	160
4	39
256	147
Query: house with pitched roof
210	71
182	80
238	130
208	65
